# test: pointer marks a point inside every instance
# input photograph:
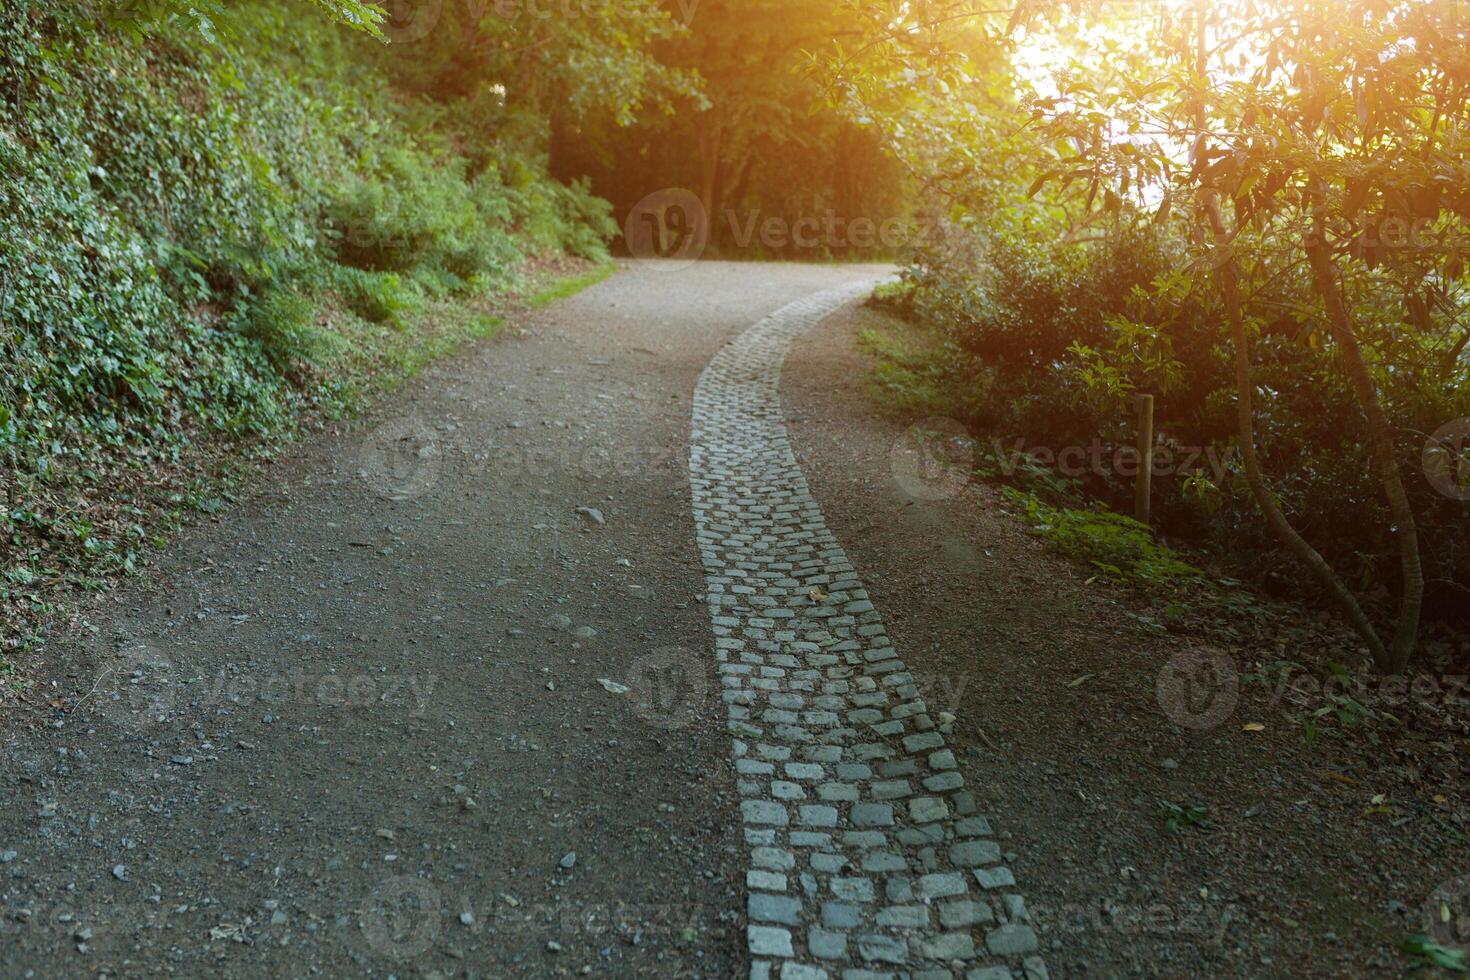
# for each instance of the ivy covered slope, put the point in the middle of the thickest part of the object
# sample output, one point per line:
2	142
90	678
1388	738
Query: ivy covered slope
209	236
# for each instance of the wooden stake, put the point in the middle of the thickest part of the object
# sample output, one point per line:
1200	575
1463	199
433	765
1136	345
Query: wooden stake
1144	488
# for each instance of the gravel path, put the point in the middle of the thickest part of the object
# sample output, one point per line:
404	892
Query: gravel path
868	857
420	704
453	693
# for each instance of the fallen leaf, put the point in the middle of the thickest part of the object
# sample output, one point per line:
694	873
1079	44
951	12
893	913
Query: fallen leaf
1080	681
1254	726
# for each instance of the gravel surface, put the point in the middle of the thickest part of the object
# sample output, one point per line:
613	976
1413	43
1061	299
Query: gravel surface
401	712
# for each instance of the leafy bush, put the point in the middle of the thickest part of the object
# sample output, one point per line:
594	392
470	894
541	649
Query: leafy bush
281	322
377	297
410	211
1035	338
587	222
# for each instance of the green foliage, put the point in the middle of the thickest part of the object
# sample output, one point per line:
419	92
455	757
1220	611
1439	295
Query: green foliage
181	193
586	221
1027	473
778	174
895	295
281	322
1298	167
1430	953
377	297
1045	339
166	201
1347	712
409	210
916	377
1117	546
518	62
1177	817
137	17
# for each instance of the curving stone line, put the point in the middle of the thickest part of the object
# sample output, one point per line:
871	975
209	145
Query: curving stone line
867	856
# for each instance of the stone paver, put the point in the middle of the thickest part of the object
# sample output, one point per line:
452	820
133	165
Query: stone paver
851	794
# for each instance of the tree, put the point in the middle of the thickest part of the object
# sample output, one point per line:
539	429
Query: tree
1288	138
139	16
524	60
1327	125
755	143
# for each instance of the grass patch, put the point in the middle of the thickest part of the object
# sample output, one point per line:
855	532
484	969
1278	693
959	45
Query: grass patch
381	356
570	286
919	372
455	326
1119	547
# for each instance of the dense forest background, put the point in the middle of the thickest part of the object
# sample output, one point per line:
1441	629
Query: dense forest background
756	145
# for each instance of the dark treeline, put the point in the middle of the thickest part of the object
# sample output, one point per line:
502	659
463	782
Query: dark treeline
776	177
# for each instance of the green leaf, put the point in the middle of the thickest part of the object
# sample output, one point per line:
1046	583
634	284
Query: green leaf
1433	953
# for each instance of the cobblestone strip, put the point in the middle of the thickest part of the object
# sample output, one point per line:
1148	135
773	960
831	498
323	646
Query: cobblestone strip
868	858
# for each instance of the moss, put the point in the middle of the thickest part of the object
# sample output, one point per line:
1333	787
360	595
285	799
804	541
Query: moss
570	286
1118	546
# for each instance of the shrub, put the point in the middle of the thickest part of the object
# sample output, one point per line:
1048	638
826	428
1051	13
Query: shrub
1032	338
377	297
282	322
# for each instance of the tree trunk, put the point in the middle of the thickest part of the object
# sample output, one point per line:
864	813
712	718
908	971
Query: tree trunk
1380	438
711	139
737	192
1229	278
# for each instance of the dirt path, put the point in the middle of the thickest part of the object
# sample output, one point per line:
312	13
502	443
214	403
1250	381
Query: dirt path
457	693
356	725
